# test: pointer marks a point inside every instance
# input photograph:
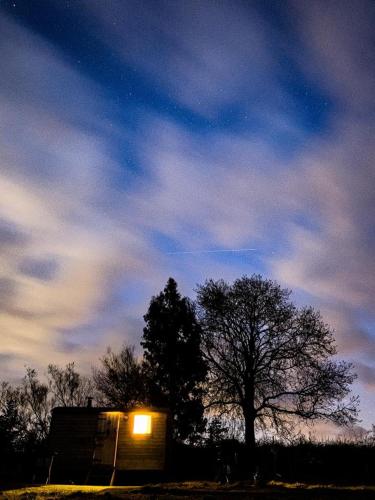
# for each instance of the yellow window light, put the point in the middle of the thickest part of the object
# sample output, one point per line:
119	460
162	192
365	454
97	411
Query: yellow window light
142	424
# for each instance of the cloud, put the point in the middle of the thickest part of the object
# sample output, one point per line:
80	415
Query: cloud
11	236
42	269
337	37
220	193
334	258
203	57
331	255
366	374
354	340
65	238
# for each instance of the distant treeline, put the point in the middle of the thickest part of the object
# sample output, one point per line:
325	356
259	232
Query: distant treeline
304	461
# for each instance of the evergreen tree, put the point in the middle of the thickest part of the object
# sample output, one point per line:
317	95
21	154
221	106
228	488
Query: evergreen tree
172	341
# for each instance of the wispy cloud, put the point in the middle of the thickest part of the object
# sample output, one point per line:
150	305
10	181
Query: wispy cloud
65	237
188	51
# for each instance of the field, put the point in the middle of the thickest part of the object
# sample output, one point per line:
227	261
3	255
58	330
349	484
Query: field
192	491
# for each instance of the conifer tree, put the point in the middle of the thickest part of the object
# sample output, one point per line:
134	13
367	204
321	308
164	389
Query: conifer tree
172	341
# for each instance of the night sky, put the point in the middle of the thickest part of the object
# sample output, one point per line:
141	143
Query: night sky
195	139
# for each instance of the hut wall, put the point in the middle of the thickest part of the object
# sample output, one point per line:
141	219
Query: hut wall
142	452
72	440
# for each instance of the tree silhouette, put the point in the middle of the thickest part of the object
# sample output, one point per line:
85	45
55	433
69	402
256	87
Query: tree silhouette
38	404
14	420
68	387
121	380
269	361
172	351
25	410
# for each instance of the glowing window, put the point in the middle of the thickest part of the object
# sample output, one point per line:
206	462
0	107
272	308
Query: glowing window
142	424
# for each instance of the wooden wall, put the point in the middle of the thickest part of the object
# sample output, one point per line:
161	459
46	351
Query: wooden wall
72	439
142	452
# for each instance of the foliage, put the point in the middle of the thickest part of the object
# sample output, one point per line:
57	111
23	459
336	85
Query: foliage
172	351
270	362
13	419
121	380
216	430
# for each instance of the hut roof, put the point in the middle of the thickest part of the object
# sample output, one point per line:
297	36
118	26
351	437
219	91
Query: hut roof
101	409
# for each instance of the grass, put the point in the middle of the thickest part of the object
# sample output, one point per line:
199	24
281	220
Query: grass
194	490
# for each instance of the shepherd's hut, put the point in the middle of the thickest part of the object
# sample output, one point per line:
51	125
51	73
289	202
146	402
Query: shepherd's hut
93	445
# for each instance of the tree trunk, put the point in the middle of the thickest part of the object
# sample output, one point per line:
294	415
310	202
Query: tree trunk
250	443
250	432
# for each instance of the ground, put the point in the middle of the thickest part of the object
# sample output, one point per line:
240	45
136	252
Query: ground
197	490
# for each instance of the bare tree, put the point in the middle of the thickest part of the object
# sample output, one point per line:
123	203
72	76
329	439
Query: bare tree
38	404
25	410
269	361
68	387
121	380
